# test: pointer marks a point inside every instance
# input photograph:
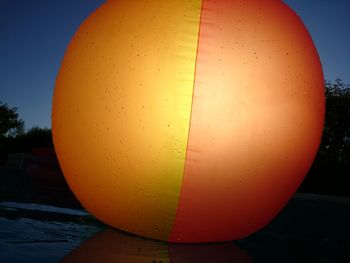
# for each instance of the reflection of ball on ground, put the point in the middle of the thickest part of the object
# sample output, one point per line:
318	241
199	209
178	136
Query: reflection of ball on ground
188	121
113	246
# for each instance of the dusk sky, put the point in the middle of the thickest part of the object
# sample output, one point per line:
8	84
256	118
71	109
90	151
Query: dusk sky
35	33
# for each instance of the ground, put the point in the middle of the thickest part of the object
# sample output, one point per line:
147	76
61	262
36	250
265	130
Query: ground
311	228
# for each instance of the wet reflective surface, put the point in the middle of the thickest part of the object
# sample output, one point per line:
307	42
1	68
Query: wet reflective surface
114	246
39	233
310	228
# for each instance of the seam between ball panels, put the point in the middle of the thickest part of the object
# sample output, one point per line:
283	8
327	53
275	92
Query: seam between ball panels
190	119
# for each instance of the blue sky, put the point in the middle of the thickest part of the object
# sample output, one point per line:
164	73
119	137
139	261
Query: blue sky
34	35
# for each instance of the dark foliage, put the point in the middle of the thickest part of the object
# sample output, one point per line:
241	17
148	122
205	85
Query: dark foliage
10	124
34	138
330	172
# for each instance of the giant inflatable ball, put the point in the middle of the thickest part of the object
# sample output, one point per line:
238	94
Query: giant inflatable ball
188	120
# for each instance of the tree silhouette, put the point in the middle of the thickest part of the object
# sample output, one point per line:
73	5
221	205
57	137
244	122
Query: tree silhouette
10	124
336	135
329	173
